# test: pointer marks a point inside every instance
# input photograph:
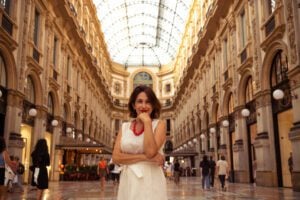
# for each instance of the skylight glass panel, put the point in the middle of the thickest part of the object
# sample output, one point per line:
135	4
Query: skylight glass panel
143	32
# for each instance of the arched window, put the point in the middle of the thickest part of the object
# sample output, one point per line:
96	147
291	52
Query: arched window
30	92
142	78
2	72
50	104
249	90
279	69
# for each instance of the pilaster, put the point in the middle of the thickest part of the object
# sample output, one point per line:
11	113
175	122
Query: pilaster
58	155
13	122
294	134
266	174
40	122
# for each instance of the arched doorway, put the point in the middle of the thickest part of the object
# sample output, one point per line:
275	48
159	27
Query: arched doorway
3	95
251	126
282	117
49	126
27	124
232	139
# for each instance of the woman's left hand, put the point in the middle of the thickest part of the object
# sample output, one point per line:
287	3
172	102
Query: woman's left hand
159	159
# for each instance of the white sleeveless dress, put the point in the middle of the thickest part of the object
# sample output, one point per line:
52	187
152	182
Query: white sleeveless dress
142	180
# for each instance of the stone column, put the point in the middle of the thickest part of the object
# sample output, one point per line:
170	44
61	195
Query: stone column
223	147
294	134
266	174
13	120
293	29
89	159
94	161
240	150
197	158
40	122
57	155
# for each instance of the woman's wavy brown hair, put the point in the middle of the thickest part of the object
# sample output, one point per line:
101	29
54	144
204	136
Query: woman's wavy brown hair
151	97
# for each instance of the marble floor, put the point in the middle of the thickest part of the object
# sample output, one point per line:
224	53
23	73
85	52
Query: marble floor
188	189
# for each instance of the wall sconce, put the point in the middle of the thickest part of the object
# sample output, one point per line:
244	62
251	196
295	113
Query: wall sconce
225	123
185	145
88	139
180	148
94	142
190	143
32	112
212	130
195	140
69	130
202	136
79	135
54	122
245	112
279	94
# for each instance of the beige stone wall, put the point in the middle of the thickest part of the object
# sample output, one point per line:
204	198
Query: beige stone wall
66	58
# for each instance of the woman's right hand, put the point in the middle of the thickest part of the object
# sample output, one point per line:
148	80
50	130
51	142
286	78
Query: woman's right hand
159	159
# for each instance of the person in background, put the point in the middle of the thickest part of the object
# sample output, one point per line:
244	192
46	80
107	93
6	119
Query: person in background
205	169
254	168
291	164
222	171
168	168
139	149
4	159
20	171
176	172
12	171
212	165
115	174
102	171
40	159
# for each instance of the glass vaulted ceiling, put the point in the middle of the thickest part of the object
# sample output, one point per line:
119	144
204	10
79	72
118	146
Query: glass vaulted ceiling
143	32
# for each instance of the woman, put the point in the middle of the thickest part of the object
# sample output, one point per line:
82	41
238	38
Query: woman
40	159
102	171
4	159
139	149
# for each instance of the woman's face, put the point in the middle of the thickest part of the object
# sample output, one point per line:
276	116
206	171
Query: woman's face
142	104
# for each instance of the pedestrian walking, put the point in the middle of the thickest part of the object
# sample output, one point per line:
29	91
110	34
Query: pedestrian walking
20	172
4	161
205	170
176	171
222	171
40	159
212	165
